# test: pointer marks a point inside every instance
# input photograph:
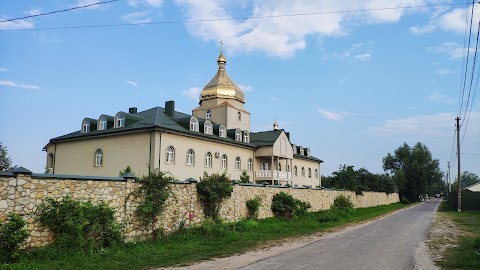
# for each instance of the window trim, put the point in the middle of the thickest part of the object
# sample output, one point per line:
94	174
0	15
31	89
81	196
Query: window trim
170	155
98	161
238	164
250	165
194	124
120	122
224	162
208	160
208	127
246	136
238	135
309	172
295	170
222	131
86	125
190	157
208	114
102	125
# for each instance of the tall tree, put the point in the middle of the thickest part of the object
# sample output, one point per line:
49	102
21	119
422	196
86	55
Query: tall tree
5	160
414	171
468	179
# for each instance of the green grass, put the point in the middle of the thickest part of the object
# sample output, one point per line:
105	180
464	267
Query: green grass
194	244
467	254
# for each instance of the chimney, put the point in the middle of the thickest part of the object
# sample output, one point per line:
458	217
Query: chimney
132	110
170	107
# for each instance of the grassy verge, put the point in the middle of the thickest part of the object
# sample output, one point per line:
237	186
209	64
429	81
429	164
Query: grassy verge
466	253
197	243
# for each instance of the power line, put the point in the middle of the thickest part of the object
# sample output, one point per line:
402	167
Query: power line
58	11
466	65
233	19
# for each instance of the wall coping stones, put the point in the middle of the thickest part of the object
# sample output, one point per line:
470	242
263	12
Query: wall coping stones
77	177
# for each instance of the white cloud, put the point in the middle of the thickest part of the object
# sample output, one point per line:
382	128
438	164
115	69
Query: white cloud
137	17
12	84
246	88
132	83
148	3
423	125
423	29
333	115
34	11
444	71
15	25
362	57
283	36
441	98
452	49
455	20
2	69
193	92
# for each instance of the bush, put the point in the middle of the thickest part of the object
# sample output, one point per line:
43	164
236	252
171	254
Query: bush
153	192
284	205
328	216
342	203
246	224
79	226
12	234
253	205
405	200
244	177
212	191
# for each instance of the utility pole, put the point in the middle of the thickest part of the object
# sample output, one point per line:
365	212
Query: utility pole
459	180
448	178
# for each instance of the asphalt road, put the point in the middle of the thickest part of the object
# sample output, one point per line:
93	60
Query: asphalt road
388	243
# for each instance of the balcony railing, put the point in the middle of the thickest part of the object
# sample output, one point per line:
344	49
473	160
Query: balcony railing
273	173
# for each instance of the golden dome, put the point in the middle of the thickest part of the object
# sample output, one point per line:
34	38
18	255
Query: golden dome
221	86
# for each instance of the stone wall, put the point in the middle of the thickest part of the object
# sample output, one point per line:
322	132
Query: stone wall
22	193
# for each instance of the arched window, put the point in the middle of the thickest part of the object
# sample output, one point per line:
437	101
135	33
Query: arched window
120	122
86	126
316	173
303	172
238	135
193	124
295	172
239	116
208	128
309	173
250	164
246	137
50	163
238	164
279	167
208	160
170	155
209	114
98	158
190	157
224	162
102	123
222	131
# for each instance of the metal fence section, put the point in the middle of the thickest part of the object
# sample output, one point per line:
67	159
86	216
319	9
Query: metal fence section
470	200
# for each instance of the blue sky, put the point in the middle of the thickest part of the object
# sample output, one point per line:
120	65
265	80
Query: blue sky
352	86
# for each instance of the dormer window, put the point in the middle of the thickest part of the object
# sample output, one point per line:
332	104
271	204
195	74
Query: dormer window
208	128
222	131
209	114
239	116
294	148
102	123
86	126
238	135
301	151
120	121
246	137
194	124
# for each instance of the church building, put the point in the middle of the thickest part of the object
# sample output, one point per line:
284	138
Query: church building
215	138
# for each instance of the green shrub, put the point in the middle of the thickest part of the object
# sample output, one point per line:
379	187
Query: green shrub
153	193
329	216
253	205
284	205
342	203
12	234
244	177
405	200
79	226
212	191
246	224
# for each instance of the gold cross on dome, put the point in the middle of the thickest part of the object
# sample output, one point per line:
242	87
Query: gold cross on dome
221	45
